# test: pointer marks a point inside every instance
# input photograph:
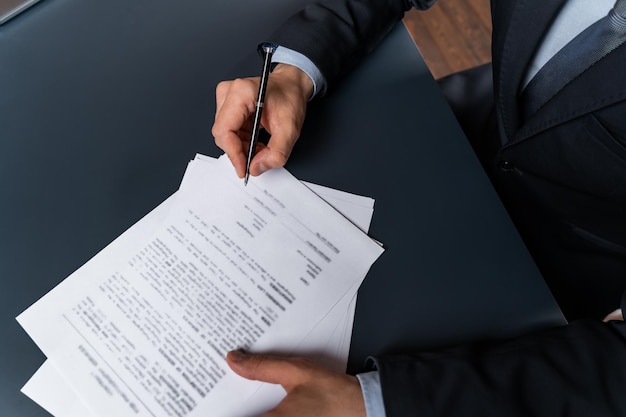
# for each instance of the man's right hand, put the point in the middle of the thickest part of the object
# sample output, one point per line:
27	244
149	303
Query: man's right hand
287	94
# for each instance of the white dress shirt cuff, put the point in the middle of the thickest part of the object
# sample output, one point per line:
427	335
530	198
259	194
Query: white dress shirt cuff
372	394
288	56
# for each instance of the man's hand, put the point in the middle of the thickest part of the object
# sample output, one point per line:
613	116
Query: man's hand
311	389
286	98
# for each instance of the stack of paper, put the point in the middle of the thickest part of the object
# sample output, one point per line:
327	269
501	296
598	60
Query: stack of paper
143	328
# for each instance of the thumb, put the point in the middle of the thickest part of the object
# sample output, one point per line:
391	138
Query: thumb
262	367
274	155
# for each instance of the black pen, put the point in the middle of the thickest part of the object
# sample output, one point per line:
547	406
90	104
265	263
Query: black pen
267	49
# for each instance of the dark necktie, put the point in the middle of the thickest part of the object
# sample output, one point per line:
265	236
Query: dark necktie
573	59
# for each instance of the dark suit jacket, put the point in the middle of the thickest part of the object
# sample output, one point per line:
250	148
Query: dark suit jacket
562	172
562	175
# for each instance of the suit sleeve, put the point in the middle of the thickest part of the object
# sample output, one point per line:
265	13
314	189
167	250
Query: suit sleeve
337	34
575	370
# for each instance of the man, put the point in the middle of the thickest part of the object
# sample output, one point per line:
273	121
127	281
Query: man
559	165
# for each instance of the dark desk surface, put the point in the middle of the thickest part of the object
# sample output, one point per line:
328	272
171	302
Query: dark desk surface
103	103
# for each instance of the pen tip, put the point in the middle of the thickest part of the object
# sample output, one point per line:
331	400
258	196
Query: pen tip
245	180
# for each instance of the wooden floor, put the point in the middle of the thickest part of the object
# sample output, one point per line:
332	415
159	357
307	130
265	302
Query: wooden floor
452	35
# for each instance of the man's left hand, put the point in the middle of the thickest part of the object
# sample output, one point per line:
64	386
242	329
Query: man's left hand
311	389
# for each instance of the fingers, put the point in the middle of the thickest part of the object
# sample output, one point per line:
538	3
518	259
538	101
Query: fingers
284	371
311	389
286	103
276	153
234	107
283	116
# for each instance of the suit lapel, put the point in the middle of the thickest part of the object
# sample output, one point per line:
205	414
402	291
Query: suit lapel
599	86
526	22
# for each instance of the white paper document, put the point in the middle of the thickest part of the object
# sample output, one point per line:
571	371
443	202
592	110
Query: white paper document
143	328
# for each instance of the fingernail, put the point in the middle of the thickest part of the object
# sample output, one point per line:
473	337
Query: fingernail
237	356
261	168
